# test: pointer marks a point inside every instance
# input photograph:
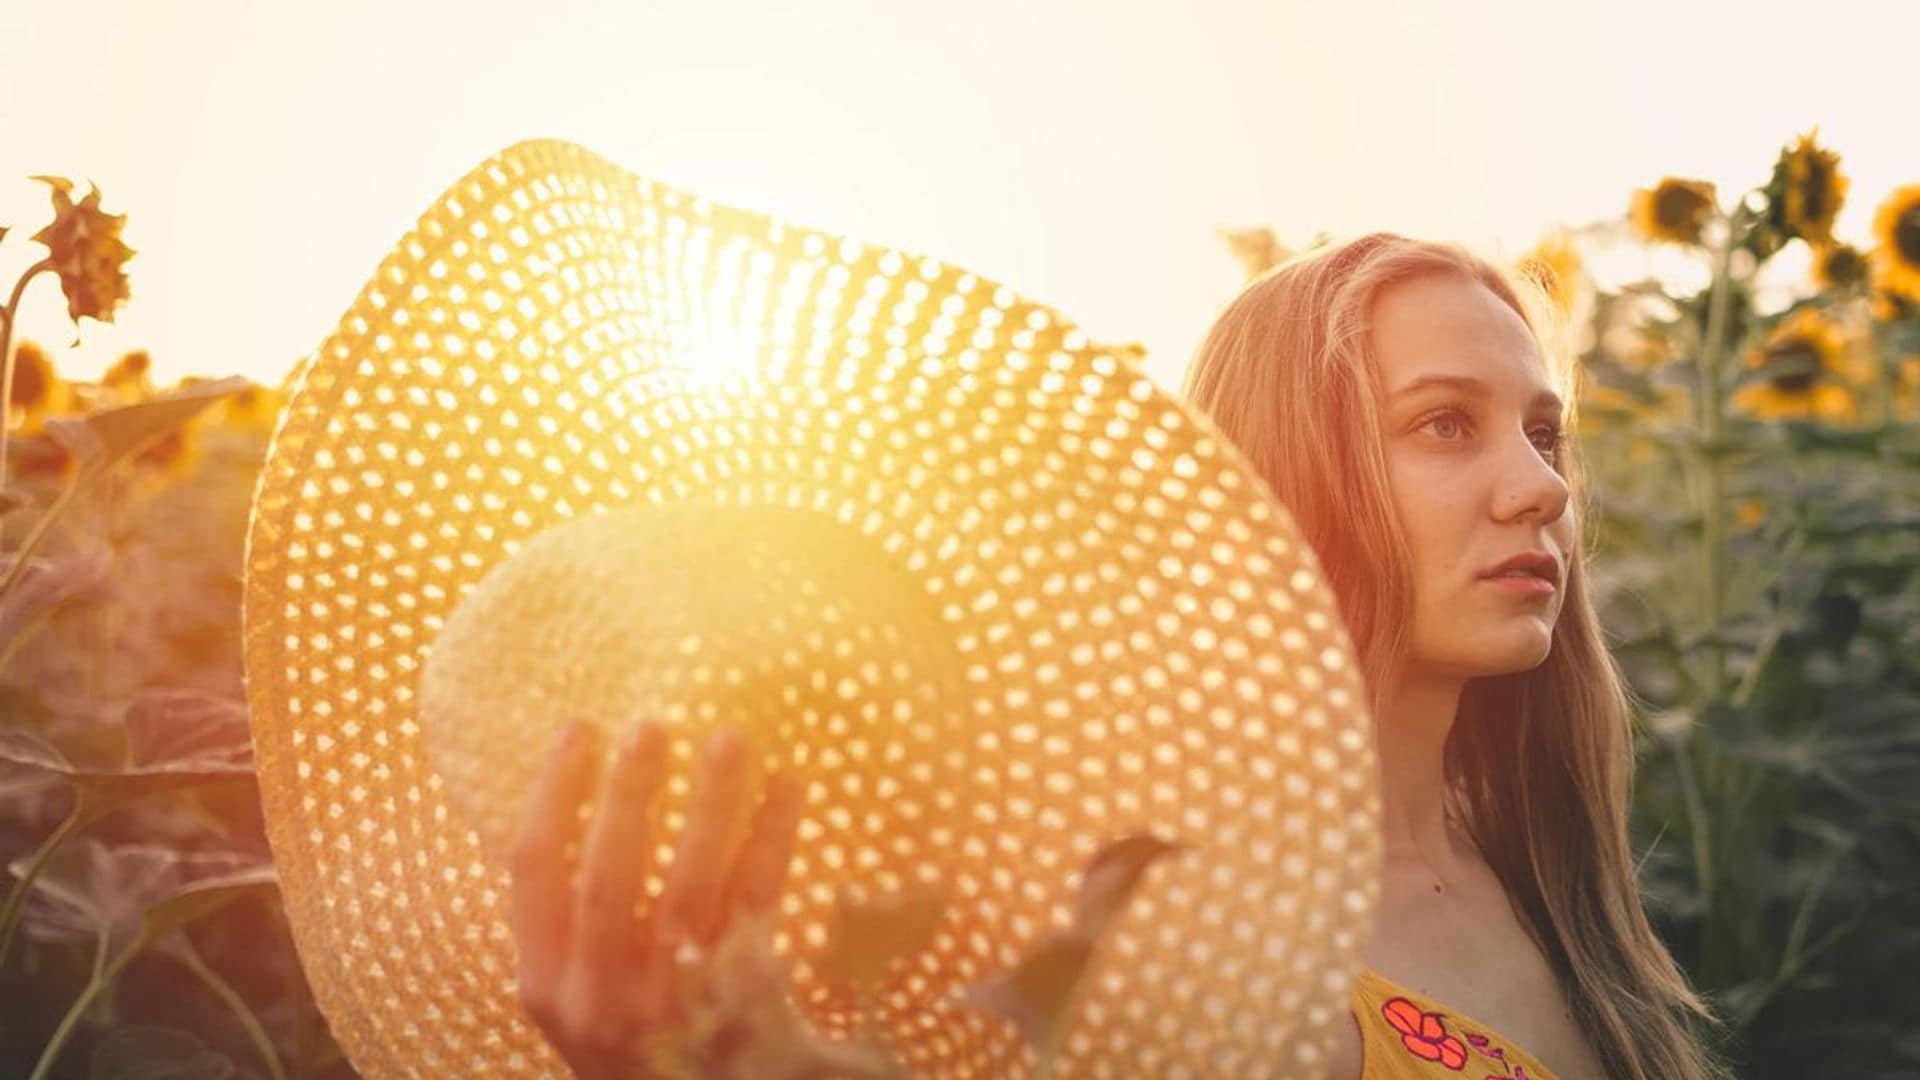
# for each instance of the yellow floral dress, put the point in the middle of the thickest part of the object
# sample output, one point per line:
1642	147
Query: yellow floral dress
1405	1035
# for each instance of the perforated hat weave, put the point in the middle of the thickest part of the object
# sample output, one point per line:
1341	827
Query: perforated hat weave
590	446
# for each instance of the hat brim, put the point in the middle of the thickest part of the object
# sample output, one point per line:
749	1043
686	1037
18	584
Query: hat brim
1158	649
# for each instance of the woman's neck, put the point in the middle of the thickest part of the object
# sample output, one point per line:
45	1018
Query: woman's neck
1411	736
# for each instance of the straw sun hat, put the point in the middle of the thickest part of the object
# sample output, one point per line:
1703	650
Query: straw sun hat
589	446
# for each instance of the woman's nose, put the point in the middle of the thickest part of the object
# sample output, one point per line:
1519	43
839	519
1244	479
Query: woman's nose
1530	484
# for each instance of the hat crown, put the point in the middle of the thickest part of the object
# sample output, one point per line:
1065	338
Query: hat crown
1144	642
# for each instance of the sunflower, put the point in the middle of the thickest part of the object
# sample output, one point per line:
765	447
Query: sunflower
84	246
1896	250
1257	250
1889	307
38	390
1749	514
130	377
254	408
1806	190
1672	210
1906	388
1838	266
1556	265
1805	371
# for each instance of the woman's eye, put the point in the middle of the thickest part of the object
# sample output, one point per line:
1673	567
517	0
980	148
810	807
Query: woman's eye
1440	422
1451	424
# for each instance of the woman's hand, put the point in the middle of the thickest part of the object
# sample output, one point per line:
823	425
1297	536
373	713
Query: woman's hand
598	981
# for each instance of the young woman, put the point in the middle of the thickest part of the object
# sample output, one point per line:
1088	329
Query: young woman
1398	398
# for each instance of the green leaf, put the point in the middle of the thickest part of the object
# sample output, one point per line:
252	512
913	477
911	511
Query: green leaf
125	431
867	936
182	724
1037	994
742	1025
89	887
107	787
156	1052
1110	877
200	898
46	583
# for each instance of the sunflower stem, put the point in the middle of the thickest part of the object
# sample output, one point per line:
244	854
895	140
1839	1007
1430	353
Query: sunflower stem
12	313
36	534
1711	415
190	956
104	975
16	897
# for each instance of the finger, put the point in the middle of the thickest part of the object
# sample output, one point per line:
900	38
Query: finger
613	862
760	873
541	893
701	857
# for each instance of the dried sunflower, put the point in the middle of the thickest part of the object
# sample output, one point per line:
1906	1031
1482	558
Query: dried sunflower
1673	210
1838	266
1805	371
84	246
1806	190
1896	249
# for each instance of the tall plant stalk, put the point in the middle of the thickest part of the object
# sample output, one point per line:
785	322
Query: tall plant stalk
8	317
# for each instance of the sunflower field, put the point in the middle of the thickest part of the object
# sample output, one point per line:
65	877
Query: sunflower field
1752	435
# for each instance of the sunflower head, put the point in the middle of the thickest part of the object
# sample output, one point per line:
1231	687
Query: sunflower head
1906	388
131	376
1803	370
254	408
84	246
33	377
1838	266
1257	250
1673	210
1896	245
1555	264
1806	191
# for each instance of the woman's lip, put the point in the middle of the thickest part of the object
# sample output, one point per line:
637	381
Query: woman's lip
1524	584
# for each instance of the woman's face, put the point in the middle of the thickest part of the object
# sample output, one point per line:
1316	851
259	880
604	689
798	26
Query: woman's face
1472	428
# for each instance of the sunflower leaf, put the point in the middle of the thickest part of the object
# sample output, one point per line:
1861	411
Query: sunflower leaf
741	1023
157	1052
125	431
105	787
1037	994
1110	877
869	935
204	896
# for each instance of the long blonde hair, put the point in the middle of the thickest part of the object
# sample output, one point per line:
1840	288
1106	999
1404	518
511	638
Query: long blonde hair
1539	762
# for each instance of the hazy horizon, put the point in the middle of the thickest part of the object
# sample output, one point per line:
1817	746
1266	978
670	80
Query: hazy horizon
1085	156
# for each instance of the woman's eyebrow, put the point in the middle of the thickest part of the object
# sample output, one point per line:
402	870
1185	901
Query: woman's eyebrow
1544	401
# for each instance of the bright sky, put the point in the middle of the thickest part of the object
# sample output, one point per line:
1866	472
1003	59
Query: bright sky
1083	151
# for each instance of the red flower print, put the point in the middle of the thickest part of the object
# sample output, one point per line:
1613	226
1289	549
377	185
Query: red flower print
1423	1035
